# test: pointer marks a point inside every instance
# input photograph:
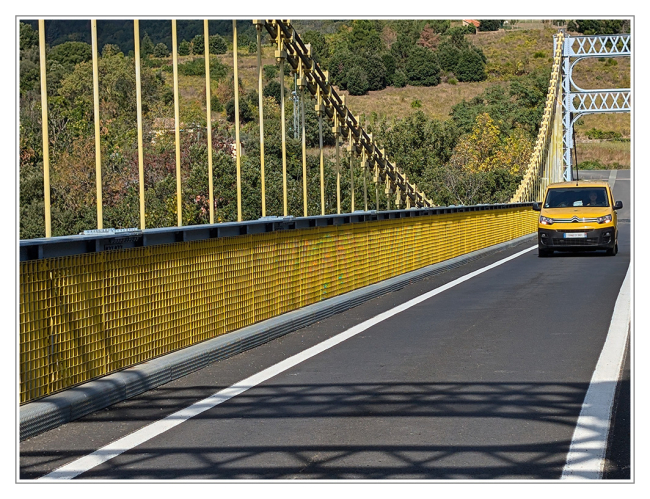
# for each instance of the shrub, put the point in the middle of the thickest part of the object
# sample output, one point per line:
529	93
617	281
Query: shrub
357	81
215	104
399	79
416	104
539	55
422	67
218	45
184	48
270	71
161	50
198	46
470	66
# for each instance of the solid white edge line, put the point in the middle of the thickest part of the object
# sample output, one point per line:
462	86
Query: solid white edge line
586	457
128	442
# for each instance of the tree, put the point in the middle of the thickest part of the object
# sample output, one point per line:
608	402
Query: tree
217	45
28	37
375	72
319	48
184	48
146	47
448	54
470	66
272	89
422	67
161	51
364	38
198	45
69	54
357	82
490	24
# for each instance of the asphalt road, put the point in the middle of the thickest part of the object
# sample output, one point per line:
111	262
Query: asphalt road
483	381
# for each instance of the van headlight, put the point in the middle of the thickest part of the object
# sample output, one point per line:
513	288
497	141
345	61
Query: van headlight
545	220
605	219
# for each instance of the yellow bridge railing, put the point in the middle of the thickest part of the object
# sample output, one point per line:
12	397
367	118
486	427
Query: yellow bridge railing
87	315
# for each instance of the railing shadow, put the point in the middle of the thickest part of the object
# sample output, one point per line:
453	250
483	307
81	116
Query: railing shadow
270	432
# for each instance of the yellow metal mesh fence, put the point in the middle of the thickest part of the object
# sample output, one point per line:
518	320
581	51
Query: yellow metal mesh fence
82	317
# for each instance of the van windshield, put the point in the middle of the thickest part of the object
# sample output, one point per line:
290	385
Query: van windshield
568	197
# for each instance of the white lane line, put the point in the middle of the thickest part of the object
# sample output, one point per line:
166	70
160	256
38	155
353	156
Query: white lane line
142	435
586	457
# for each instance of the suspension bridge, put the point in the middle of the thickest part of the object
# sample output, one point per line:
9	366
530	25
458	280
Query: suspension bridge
139	316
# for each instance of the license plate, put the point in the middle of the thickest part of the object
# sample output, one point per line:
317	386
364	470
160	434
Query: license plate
575	235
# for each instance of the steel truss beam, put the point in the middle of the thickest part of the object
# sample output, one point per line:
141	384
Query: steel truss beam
577	101
313	78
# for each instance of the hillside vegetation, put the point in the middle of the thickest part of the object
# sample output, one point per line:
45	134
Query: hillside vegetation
457	110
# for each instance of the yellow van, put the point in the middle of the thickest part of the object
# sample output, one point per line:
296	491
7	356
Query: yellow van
579	215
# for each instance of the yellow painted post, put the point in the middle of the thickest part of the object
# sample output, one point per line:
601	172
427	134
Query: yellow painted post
98	153
237	144
284	138
258	25
179	212
208	107
351	155
364	165
320	141
138	94
304	153
338	167
46	135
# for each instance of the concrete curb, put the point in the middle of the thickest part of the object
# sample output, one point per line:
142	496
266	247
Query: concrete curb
52	411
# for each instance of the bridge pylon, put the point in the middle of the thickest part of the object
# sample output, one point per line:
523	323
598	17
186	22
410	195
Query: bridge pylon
577	101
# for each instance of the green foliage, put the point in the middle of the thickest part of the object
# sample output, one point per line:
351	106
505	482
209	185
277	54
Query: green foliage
196	67
217	45
390	65
247	109
272	89
28	37
399	79
422	67
161	50
364	38
319	48
599	27
448	54
416	104
215	104
110	50
270	71
69	54
356	81
198	45
596	134
147	46
470	66
184	48
490	24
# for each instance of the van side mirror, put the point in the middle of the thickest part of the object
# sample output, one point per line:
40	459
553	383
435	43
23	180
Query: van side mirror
618	205
537	207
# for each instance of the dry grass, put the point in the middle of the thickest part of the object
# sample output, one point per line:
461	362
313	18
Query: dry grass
436	102
606	153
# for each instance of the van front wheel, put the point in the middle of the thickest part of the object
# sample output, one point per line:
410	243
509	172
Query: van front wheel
544	252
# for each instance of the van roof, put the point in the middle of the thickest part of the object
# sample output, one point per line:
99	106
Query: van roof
579	183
